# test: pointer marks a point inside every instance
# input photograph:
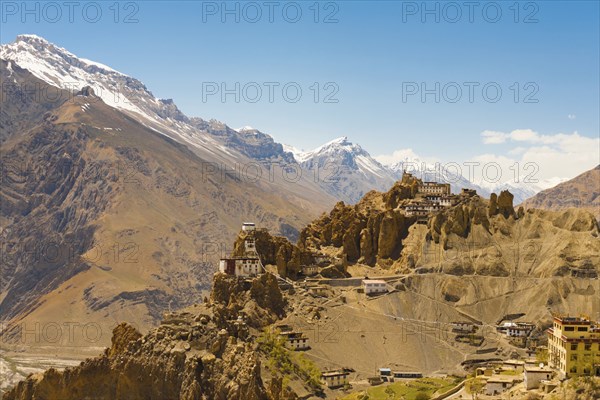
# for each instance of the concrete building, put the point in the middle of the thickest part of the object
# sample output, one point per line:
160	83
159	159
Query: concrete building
533	376
574	346
334	379
373	286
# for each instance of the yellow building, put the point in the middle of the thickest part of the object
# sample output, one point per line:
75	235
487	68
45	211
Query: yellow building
574	347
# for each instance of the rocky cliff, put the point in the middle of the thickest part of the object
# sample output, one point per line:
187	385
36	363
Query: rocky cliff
369	232
276	250
207	351
473	236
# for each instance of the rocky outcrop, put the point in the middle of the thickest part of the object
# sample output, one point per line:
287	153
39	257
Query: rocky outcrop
275	250
205	352
370	232
489	238
505	204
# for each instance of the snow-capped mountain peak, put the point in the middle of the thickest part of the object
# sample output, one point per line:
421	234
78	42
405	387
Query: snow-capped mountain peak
246	128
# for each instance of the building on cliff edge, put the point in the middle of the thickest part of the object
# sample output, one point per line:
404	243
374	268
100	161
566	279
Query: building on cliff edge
249	264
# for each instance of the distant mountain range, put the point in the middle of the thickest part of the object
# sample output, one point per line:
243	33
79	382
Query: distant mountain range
341	168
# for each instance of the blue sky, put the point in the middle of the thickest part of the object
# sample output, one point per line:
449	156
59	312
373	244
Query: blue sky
373	58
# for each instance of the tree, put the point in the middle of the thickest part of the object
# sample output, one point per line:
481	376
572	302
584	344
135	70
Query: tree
541	356
474	387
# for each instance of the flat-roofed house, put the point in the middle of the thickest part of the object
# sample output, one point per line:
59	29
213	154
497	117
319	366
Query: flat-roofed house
374	286
497	384
248	226
310	270
533	376
334	379
515	365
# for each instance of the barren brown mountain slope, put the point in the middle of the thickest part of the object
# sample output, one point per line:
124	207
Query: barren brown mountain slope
582	192
104	220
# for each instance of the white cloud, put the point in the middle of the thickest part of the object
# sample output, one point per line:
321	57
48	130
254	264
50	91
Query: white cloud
524	135
538	160
493	137
571	116
403	155
542	158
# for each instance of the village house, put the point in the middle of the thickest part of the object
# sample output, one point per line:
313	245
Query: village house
574	346
422	208
318	290
514	365
310	270
533	376
296	340
373	286
335	379
444	201
386	374
283	328
463	327
484	371
468	192
515	329
497	384
411	375
321	259
248	226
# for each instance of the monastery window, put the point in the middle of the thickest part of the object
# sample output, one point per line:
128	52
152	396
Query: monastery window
573	346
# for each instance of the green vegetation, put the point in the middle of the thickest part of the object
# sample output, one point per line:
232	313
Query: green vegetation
287	362
475	386
541	356
418	389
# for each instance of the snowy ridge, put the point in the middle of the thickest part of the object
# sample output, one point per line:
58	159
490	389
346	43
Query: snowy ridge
61	68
